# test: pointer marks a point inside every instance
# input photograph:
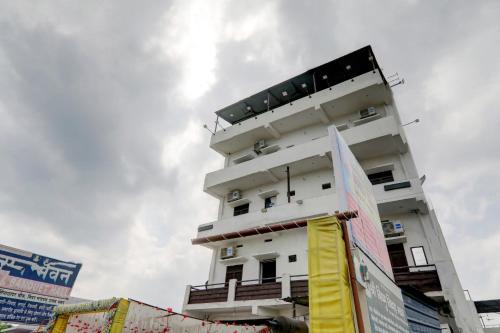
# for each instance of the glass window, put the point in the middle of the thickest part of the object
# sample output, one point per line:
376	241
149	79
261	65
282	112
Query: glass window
240	210
419	257
270	202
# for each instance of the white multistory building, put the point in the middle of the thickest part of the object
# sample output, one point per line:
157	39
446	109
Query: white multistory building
278	173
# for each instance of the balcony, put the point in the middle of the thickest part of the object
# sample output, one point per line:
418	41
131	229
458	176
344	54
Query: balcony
246	295
423	278
378	137
310	207
304	158
356	94
400	197
375	138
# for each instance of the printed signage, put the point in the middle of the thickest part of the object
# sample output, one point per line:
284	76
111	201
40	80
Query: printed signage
355	192
386	308
31	285
21	307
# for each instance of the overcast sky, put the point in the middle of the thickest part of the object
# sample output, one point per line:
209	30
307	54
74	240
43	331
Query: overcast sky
102	150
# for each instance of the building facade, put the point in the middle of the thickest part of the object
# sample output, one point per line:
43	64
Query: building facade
278	173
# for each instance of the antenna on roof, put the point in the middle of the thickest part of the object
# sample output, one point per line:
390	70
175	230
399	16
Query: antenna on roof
394	80
208	129
402	81
390	77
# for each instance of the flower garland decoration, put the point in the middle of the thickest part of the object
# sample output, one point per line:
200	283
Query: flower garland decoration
110	315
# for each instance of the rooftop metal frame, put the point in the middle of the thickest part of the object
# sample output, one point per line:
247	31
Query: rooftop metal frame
316	79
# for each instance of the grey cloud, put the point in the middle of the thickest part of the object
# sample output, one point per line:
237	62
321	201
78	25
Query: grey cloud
86	105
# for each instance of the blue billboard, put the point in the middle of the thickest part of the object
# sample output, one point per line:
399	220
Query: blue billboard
32	284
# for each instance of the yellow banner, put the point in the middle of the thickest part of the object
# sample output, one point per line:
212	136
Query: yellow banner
330	309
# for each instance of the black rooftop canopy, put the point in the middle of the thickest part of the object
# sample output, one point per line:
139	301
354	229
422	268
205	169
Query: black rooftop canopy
316	79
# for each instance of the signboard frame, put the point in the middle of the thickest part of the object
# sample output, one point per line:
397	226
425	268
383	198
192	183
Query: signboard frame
355	193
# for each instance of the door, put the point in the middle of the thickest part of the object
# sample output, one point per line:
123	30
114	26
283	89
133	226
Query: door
234	272
268	271
398	259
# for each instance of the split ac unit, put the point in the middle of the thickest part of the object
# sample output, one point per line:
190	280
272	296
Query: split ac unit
371	111
259	145
392	228
234	195
227	252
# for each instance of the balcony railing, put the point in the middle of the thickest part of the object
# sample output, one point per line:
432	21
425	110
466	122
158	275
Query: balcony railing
259	289
424	278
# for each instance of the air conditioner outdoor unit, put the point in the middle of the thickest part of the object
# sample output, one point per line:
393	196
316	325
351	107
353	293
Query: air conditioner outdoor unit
234	195
392	228
259	145
227	252
371	111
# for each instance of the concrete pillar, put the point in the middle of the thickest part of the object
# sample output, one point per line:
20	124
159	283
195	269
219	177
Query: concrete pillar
231	293
286	288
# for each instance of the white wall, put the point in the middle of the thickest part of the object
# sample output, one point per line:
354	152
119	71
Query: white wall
284	243
289	139
305	186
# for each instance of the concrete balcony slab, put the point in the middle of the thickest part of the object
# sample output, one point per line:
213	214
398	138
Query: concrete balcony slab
304	158
311	207
376	138
394	198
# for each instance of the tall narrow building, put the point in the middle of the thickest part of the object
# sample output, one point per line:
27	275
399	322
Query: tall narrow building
278	173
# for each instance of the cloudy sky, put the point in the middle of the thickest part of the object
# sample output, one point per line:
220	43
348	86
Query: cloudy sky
102	150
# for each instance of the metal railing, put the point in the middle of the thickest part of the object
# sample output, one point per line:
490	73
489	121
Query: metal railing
246	282
250	289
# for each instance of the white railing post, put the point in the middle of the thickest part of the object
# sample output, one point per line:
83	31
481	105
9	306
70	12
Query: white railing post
231	293
286	288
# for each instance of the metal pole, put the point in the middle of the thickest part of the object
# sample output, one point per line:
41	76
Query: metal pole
352	276
288	183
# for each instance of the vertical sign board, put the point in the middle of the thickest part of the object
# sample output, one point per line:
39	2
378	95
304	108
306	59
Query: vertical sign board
384	301
31	285
355	192
385	307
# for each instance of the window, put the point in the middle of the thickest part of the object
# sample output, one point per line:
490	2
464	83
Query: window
240	210
268	271
292	258
270	202
381	177
419	257
234	272
398	257
292	193
326	186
